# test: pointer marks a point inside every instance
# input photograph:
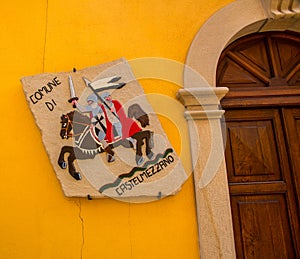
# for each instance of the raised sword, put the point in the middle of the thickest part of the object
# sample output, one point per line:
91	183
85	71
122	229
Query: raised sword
73	96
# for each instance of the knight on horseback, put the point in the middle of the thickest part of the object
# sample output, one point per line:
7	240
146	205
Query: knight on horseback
98	122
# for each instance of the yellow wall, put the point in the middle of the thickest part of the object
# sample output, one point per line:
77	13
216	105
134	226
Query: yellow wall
36	219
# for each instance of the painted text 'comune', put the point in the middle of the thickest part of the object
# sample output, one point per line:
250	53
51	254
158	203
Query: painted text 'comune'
149	172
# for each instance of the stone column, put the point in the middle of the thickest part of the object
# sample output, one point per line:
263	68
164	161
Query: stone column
211	187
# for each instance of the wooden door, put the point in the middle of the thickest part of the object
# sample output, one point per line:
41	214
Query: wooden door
262	122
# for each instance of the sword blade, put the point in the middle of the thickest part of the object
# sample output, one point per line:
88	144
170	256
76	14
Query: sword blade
73	96
72	89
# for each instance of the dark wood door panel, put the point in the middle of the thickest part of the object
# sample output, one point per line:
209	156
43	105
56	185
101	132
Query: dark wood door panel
241	77
285	54
257	187
262	223
253	145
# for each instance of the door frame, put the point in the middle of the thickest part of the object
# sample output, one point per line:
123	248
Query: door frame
214	227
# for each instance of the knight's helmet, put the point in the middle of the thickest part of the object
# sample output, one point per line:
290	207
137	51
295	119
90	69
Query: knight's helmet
92	97
105	95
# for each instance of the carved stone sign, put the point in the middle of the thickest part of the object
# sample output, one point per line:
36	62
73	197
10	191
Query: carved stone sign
101	134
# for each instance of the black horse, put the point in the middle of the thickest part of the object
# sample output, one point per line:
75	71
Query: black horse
86	145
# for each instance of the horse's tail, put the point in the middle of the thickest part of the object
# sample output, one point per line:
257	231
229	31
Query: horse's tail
136	111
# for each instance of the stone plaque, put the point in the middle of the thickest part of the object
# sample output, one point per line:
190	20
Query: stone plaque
101	134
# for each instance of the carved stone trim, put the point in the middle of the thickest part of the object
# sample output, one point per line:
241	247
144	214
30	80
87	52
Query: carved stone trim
201	96
276	9
203	115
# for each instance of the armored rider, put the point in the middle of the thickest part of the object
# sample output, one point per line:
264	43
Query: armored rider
98	122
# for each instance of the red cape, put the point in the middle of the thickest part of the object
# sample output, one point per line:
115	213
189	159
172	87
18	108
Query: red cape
129	126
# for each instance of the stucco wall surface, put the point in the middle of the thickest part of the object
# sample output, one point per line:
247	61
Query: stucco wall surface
36	220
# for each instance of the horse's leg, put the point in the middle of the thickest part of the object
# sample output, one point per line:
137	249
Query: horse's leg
149	144
61	160
109	154
139	142
72	169
62	163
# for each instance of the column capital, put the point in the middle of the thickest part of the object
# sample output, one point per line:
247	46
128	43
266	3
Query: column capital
202	103
201	96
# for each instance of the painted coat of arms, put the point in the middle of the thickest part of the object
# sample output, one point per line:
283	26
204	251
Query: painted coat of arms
101	134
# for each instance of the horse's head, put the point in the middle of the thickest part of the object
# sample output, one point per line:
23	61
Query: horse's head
66	125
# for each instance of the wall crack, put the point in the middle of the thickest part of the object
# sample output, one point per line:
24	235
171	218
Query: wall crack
78	204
